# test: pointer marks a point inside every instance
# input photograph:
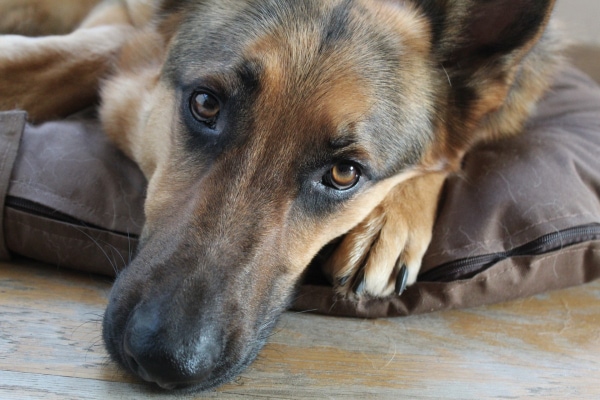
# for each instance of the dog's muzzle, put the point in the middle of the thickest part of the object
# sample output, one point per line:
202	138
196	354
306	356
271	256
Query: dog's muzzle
188	326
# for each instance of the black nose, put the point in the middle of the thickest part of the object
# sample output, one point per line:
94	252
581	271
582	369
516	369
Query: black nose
173	355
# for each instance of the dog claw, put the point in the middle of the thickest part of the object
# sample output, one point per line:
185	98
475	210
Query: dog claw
343	280
359	284
401	280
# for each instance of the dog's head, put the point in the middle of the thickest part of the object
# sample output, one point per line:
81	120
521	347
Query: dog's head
268	128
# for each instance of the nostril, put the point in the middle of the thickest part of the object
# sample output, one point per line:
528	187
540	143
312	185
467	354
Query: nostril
142	373
132	363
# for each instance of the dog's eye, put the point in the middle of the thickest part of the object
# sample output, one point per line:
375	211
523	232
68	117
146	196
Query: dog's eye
342	176
205	107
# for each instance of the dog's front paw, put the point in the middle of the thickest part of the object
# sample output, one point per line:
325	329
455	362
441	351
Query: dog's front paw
382	255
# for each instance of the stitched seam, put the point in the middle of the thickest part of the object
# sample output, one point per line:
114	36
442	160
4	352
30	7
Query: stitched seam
88	241
484	242
459	284
84	207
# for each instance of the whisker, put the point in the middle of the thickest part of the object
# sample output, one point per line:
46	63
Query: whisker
110	261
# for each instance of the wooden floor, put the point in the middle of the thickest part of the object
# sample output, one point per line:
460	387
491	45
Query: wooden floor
542	347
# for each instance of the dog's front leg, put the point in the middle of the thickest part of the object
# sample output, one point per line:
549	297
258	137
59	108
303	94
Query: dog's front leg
54	76
383	253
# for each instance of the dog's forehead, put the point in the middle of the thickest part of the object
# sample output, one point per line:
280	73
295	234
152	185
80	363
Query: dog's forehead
346	63
306	33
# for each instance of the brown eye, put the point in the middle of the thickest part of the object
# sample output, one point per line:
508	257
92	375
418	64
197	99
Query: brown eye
205	107
343	176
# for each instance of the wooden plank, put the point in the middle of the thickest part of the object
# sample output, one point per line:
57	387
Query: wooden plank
19	385
542	347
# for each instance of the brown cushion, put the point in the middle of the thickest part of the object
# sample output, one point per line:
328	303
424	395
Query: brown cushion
73	199
521	218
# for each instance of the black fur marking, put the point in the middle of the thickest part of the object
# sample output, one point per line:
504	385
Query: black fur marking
437	13
336	28
500	27
249	73
169	6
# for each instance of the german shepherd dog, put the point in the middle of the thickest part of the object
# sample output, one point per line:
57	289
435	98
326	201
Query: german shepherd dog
268	129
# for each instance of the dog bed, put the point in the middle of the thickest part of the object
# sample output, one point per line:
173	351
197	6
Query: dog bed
521	218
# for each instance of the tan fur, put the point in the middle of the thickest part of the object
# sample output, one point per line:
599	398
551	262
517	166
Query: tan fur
31	69
530	83
311	237
129	112
136	13
35	69
397	232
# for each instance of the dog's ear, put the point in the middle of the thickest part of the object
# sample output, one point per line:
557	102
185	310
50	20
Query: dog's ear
472	33
485	50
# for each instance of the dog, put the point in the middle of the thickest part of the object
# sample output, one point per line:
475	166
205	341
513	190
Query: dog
267	130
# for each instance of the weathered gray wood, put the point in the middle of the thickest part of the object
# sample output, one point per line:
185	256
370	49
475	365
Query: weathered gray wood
543	347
